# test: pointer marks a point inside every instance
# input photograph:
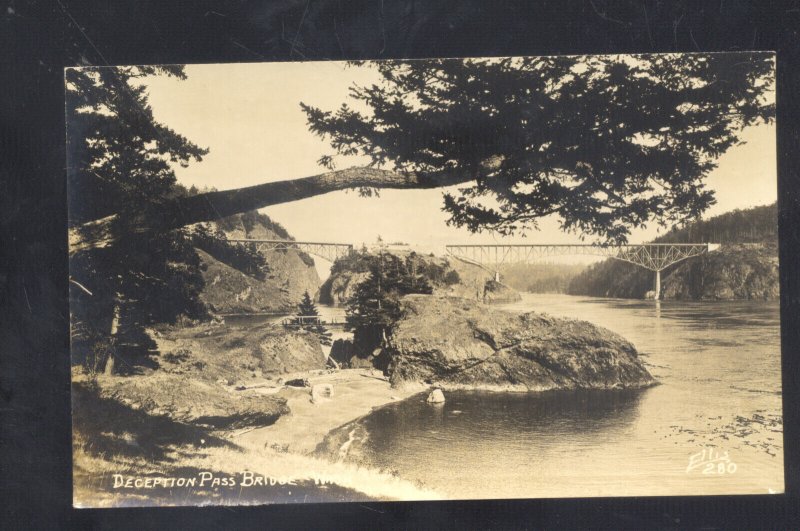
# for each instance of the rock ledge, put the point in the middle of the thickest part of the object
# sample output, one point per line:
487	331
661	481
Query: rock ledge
454	343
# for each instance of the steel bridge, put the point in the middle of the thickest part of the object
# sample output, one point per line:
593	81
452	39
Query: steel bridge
653	256
328	251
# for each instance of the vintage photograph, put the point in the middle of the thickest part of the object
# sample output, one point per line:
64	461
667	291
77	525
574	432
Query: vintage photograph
439	279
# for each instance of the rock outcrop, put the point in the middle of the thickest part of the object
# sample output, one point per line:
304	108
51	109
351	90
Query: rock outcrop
291	273
735	272
228	290
342	351
456	343
494	291
200	368
340	287
238	353
447	276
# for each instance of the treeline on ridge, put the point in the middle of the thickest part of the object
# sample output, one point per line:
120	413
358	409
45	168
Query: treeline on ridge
744	267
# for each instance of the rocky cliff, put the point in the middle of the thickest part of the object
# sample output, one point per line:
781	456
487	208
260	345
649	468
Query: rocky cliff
291	273
228	290
341	286
457	343
732	272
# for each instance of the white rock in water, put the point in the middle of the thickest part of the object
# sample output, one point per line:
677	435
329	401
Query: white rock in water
436	397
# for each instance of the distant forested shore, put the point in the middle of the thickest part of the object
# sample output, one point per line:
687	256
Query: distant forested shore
745	267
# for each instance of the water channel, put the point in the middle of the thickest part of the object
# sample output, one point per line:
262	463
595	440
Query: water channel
719	368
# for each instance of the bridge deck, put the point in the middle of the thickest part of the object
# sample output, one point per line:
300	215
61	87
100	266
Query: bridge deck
653	256
328	250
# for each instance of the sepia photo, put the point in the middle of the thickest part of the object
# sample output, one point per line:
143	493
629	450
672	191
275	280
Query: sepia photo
511	277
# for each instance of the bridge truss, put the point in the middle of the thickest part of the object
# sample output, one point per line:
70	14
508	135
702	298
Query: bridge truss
329	251
653	256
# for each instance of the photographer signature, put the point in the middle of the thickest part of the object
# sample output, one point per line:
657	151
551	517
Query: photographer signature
712	461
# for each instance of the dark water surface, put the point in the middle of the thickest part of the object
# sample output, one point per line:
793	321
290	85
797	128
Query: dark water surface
719	368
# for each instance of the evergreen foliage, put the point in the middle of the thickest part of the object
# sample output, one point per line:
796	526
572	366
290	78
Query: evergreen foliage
375	305
119	162
752	225
308	319
249	220
608	143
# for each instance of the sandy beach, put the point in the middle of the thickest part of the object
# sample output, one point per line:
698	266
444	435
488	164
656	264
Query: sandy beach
356	392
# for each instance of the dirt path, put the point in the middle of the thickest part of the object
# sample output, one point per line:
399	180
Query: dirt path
355	393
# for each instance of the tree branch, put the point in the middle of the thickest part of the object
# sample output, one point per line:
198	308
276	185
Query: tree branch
215	205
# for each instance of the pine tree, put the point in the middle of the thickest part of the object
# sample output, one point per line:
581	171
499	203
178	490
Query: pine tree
307	308
308	319
120	162
375	307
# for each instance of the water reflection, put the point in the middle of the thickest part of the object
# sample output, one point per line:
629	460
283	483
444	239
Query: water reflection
517	419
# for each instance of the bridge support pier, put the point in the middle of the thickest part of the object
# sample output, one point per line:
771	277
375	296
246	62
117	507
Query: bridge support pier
657	294
497	276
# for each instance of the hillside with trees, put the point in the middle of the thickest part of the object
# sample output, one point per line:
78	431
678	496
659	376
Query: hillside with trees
121	163
744	267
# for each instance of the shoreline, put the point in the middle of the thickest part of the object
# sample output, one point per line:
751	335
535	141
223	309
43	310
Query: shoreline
280	454
356	393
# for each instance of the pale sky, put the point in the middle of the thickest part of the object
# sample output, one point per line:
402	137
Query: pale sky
249	116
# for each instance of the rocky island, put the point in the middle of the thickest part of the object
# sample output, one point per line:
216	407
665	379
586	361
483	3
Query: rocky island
459	344
447	275
456	343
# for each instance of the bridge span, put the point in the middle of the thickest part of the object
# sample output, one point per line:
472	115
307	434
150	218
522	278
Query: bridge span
652	256
329	251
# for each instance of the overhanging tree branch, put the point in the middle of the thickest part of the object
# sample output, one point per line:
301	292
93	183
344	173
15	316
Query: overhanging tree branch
215	205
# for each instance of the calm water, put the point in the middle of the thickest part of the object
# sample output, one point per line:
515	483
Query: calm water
719	368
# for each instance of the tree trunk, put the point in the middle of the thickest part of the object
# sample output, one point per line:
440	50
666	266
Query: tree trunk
215	205
112	350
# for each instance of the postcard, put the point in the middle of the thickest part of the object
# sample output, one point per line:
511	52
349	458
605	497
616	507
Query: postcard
501	277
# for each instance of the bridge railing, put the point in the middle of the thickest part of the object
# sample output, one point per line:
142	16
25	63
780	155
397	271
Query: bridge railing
298	321
327	250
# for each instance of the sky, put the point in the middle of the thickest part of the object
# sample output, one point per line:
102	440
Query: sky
248	115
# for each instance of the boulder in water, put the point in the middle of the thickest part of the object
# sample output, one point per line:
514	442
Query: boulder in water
436	397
